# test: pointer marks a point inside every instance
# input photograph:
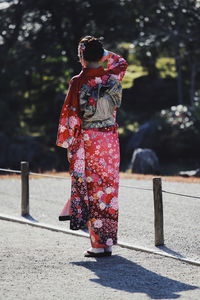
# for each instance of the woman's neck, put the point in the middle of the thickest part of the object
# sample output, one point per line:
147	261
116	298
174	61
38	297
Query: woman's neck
92	65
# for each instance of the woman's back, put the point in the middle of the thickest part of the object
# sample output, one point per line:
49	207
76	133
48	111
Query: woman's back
88	129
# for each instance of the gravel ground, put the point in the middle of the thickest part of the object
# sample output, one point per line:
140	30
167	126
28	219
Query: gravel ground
181	214
41	264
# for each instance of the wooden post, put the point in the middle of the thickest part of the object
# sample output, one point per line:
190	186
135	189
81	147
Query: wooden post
158	212
24	188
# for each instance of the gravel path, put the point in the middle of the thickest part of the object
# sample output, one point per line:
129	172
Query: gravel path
41	264
181	214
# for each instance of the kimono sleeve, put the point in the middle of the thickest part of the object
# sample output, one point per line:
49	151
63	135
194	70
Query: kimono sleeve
69	122
116	65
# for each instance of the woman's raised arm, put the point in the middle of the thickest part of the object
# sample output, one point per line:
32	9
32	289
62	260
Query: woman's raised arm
116	64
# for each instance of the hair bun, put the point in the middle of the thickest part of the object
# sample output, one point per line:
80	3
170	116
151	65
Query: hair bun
93	50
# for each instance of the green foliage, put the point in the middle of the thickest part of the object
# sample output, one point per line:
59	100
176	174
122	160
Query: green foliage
179	117
166	67
38	55
179	131
133	72
182	117
38	44
170	28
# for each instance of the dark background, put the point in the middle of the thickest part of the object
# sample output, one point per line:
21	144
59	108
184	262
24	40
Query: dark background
38	55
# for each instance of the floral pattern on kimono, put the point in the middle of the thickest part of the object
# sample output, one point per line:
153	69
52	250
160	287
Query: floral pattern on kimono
79	191
102	176
70	122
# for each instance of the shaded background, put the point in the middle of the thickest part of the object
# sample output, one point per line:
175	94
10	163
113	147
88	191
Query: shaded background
161	96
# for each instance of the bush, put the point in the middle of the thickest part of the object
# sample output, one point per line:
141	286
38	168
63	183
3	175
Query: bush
179	132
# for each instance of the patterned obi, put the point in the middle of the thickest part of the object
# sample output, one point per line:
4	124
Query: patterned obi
112	128
98	103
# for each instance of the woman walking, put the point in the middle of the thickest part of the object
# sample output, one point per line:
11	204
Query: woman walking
88	129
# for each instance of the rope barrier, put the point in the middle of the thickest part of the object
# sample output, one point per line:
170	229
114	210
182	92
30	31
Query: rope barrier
62	177
183	195
35	174
124	186
9	170
50	176
135	187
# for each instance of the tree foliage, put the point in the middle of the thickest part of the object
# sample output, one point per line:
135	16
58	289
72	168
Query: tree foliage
38	51
170	28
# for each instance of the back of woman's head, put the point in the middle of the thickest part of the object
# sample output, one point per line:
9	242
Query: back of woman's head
91	48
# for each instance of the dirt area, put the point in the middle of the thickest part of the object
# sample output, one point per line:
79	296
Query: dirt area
122	175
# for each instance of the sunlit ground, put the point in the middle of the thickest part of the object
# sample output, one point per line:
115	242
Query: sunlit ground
122	175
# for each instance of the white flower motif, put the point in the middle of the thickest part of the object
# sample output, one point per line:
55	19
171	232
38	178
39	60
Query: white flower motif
102	206
109	242
65	144
99	194
89	179
111	170
86	137
72	121
91	198
108	190
114	203
102	161
98	80
98	223
62	128
80	153
78	166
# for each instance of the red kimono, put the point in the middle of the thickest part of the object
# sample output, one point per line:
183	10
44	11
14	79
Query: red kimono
94	159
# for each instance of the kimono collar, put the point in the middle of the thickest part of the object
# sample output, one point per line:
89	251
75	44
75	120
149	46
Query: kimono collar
93	72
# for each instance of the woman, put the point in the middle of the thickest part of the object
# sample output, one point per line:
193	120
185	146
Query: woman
88	129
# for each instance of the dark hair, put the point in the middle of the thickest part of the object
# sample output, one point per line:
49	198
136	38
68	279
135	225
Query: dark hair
92	48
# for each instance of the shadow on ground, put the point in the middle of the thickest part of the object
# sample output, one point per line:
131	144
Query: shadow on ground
120	273
30	218
170	251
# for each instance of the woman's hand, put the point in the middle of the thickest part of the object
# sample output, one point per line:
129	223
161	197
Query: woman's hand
105	55
69	156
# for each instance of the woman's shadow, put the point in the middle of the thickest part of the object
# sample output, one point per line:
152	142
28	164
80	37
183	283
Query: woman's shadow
120	273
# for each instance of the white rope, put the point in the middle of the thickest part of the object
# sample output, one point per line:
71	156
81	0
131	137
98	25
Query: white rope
125	186
135	187
9	170
50	176
183	195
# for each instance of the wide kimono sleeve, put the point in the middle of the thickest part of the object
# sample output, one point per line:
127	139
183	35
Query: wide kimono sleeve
116	65
69	122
